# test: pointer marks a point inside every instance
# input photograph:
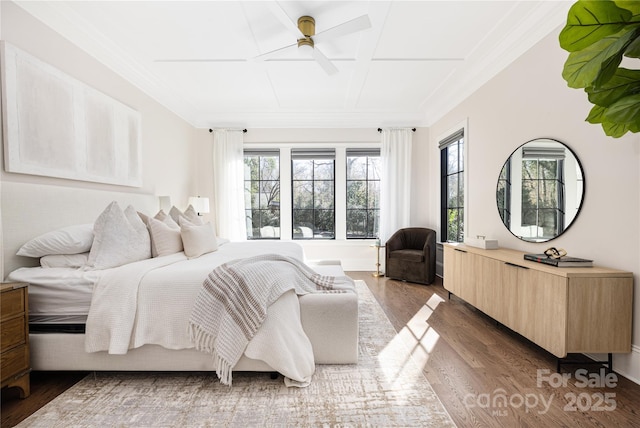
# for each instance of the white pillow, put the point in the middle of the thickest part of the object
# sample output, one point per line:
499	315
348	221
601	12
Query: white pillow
162	215
198	239
120	238
165	236
143	217
68	240
64	260
190	214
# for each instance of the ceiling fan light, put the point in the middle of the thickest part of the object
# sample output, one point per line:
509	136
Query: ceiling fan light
305	45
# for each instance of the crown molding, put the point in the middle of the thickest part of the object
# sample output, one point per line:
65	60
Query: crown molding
65	21
297	119
484	65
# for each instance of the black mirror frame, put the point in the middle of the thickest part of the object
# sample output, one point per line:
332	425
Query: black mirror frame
582	199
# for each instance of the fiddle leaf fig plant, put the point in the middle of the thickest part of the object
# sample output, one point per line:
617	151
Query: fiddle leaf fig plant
598	35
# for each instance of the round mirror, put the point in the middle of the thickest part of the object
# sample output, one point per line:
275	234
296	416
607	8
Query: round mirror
540	190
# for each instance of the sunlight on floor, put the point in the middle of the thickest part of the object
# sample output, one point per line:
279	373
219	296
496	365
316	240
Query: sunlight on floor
409	350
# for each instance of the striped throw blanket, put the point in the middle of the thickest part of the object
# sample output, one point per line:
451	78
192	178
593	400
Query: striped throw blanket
233	301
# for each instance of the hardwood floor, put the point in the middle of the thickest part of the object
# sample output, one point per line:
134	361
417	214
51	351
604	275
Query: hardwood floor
45	386
470	361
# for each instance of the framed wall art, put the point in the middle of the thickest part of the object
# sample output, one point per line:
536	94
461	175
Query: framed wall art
57	126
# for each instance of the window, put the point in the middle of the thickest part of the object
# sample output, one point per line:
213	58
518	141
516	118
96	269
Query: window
543	192
313	193
504	194
363	193
452	187
262	193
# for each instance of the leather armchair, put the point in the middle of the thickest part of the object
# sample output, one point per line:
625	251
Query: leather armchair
410	255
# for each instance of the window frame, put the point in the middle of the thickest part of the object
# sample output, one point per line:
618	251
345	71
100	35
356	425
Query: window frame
367	153
285	149
260	153
314	155
454	137
505	209
539	182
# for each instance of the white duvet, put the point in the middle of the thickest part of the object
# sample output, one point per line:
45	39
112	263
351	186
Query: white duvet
57	291
149	302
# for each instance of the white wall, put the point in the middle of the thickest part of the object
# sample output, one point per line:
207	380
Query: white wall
167	140
528	100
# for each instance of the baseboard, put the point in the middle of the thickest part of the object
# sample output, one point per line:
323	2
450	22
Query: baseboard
627	365
357	265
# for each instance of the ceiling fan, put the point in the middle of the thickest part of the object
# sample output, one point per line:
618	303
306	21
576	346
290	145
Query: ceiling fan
307	39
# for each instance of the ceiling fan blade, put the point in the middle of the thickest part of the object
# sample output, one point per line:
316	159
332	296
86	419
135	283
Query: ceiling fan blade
276	53
324	62
201	60
355	25
284	19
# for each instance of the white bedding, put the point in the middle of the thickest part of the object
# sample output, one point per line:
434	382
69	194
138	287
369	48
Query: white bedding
155	311
57	291
164	297
149	303
68	291
164	290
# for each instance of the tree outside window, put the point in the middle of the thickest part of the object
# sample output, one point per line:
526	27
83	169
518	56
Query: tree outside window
363	193
313	194
504	195
262	194
452	187
542	197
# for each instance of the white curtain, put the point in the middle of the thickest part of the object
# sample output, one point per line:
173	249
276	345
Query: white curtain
395	181
228	183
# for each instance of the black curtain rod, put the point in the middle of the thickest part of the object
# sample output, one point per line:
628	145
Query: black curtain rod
413	129
244	130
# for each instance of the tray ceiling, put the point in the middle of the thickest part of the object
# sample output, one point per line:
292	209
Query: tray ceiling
416	62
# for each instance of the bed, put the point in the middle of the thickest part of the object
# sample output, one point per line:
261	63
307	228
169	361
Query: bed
60	297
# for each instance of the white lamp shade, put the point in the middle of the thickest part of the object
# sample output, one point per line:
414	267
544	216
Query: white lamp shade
201	205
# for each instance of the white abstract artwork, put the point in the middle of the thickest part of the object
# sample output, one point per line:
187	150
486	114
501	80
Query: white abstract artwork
57	126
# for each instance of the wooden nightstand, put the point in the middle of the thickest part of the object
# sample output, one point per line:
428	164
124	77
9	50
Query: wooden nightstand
14	345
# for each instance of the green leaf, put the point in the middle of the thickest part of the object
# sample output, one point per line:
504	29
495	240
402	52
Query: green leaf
633	51
623	83
626	110
590	21
631	5
596	115
615	130
612	129
596	64
598	35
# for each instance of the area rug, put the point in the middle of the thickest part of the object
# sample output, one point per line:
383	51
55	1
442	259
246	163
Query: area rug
385	389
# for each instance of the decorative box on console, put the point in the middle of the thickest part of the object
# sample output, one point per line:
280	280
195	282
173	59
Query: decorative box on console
482	242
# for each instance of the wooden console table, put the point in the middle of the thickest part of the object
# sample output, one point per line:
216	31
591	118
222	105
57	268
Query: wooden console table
563	310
